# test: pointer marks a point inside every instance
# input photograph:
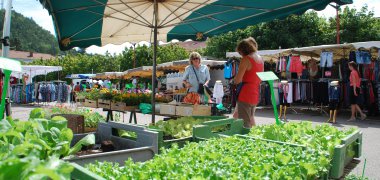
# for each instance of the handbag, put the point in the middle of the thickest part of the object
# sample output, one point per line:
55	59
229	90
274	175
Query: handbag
201	89
239	88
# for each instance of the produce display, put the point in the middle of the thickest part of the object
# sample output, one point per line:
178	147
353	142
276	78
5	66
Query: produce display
31	149
320	137
130	98
223	158
179	128
107	94
91	118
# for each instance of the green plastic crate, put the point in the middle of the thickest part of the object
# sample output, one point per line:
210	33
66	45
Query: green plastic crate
80	173
182	141
204	131
340	157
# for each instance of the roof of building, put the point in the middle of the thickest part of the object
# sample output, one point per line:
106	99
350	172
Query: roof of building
29	56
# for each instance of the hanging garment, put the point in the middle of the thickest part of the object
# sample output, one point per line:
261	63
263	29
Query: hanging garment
326	59
218	92
228	69
313	67
288	63
296	65
352	56
363	57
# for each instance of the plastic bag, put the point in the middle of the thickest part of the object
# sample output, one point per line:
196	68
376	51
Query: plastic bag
145	108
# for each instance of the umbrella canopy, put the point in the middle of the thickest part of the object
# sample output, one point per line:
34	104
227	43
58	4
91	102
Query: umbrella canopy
80	76
10	64
82	23
143	71
105	75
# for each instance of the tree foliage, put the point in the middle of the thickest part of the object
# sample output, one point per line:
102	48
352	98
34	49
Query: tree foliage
308	29
77	63
357	25
26	35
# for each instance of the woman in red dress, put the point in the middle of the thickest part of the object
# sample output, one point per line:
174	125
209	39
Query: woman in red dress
250	64
355	91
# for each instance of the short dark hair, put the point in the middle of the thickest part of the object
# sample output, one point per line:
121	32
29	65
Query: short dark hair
353	65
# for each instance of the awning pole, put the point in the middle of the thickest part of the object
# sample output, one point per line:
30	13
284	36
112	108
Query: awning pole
7	74
5	52
154	62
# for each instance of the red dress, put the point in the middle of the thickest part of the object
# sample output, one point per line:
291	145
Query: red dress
250	91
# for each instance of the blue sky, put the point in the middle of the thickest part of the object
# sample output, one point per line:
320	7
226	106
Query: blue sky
33	9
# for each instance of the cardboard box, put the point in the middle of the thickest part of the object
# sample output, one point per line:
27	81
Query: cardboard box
167	109
184	110
201	110
193	110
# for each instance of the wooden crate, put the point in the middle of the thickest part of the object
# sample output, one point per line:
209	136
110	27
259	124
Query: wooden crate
120	106
106	104
167	109
74	121
90	103
194	110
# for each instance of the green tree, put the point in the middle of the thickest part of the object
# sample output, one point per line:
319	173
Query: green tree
26	35
299	31
77	63
356	26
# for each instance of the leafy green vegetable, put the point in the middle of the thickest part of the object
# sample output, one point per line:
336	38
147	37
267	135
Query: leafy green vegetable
321	137
87	140
31	167
58	118
30	149
179	128
91	119
124	133
223	158
37	113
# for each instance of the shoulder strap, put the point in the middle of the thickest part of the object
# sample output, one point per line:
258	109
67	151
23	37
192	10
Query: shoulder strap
195	73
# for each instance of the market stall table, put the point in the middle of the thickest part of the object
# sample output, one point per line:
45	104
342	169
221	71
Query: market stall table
131	117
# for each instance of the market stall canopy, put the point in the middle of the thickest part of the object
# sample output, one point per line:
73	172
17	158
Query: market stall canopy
180	65
80	76
144	71
269	55
339	50
82	23
33	71
367	45
111	75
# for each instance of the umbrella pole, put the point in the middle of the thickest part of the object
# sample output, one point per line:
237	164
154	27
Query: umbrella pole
154	63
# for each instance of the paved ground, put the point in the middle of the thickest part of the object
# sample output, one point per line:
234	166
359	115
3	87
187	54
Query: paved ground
370	128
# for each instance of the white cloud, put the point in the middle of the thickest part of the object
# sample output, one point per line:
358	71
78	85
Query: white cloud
112	49
358	4
33	9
